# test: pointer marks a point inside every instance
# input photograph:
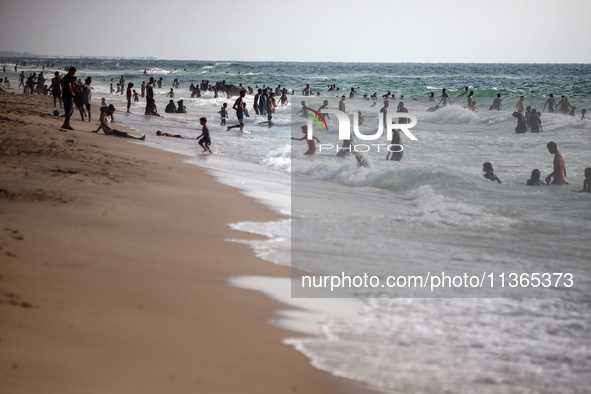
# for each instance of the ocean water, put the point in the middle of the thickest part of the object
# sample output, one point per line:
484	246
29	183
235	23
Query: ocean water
432	211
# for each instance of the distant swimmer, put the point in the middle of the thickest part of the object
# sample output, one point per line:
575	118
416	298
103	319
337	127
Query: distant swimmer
497	104
558	176
433	109
535	122
470	97
527	113
521	122
535	179
352	93
565	105
401	109
170	94
584	114
311	144
283	99
489	172
170	107
551	103
395	150
445	99
473	107
324	106
432	97
520	103
384	110
572	111
361	161
307	90
360	118
159	133
465	92
205	140
181	109
587	181
387	95
342	104
304	110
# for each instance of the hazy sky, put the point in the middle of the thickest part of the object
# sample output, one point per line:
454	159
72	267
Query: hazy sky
495	31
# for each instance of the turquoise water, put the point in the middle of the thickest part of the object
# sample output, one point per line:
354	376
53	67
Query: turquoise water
431	211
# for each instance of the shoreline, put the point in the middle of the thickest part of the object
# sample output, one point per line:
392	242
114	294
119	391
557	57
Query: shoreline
114	264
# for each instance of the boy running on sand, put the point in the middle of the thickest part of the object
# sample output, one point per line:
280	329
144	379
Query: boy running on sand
205	141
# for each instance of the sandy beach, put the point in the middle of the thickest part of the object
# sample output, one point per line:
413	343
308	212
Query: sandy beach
113	270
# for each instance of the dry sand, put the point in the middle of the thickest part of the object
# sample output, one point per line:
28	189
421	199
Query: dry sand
113	267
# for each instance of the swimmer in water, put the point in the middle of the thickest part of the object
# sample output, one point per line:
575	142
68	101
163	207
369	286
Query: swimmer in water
587	181
311	144
551	103
489	172
558	176
535	179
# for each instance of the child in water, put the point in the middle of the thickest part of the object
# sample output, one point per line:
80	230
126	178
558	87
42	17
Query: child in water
224	114
587	181
311	144
205	141
489	172
535	179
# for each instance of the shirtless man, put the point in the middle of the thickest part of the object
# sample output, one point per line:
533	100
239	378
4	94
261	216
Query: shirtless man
307	90
324	106
342	104
239	107
551	103
497	104
559	173
519	105
564	105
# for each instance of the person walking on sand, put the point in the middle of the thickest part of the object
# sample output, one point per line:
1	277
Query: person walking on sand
205	141
558	176
239	106
68	97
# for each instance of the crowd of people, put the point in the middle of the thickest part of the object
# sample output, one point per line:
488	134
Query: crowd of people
72	93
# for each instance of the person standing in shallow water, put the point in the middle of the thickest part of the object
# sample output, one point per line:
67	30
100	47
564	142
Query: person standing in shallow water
535	122
551	103
558	176
445	99
150	97
497	104
311	144
489	172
